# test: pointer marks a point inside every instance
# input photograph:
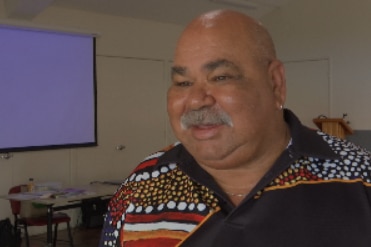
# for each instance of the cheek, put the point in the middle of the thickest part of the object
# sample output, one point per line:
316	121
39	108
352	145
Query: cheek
237	102
175	105
228	99
242	107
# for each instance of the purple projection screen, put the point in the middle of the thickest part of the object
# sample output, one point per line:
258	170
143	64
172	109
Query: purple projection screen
47	90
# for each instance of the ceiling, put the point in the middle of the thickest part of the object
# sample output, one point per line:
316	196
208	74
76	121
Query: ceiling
171	11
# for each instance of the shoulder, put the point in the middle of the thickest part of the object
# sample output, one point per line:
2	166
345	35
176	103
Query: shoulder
155	160
354	161
144	173
150	167
346	149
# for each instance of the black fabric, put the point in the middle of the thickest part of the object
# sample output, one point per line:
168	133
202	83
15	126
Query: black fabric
7	235
301	216
93	211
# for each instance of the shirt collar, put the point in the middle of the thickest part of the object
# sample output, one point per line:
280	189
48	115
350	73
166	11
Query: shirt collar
306	141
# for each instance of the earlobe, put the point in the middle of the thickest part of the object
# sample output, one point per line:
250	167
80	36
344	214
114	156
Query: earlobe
278	80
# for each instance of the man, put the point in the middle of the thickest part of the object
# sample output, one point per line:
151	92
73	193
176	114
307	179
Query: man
246	172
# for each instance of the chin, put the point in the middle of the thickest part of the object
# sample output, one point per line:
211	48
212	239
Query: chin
206	154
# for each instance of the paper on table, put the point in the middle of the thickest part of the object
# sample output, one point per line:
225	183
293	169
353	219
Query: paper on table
23	196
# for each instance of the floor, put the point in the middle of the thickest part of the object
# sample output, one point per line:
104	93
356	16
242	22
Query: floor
82	237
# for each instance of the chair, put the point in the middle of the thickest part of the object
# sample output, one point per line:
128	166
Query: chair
25	222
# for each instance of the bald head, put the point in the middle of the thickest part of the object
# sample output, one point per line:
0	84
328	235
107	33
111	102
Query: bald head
235	27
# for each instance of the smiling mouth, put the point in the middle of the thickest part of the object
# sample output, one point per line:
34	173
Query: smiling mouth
205	126
205	131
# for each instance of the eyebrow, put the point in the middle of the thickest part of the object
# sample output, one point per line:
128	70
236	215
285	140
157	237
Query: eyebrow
178	70
219	63
210	66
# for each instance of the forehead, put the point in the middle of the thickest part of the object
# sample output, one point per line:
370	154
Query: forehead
206	57
202	45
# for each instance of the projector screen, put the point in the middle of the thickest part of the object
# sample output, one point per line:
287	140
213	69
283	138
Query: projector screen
48	90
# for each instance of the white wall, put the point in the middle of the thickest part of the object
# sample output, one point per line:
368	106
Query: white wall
338	31
139	52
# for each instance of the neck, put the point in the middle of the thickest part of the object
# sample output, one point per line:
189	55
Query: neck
238	181
237	184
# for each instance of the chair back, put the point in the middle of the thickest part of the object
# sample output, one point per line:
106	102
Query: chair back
15	205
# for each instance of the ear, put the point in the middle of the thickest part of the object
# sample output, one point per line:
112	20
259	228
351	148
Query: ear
278	81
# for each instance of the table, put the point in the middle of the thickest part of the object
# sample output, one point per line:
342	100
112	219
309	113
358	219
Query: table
71	199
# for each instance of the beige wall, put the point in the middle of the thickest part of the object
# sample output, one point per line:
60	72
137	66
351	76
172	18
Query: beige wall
336	31
131	55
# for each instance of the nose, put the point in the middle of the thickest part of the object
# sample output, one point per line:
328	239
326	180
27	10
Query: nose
200	96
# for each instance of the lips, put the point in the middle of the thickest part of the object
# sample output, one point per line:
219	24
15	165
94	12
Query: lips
205	132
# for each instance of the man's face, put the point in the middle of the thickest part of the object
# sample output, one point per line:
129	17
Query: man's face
221	100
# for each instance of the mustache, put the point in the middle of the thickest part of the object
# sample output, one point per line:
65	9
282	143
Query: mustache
205	116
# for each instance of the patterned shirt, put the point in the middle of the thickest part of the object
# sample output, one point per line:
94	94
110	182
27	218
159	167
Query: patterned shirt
317	193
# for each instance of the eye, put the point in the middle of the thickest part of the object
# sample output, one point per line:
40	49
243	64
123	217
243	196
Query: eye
221	78
182	83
